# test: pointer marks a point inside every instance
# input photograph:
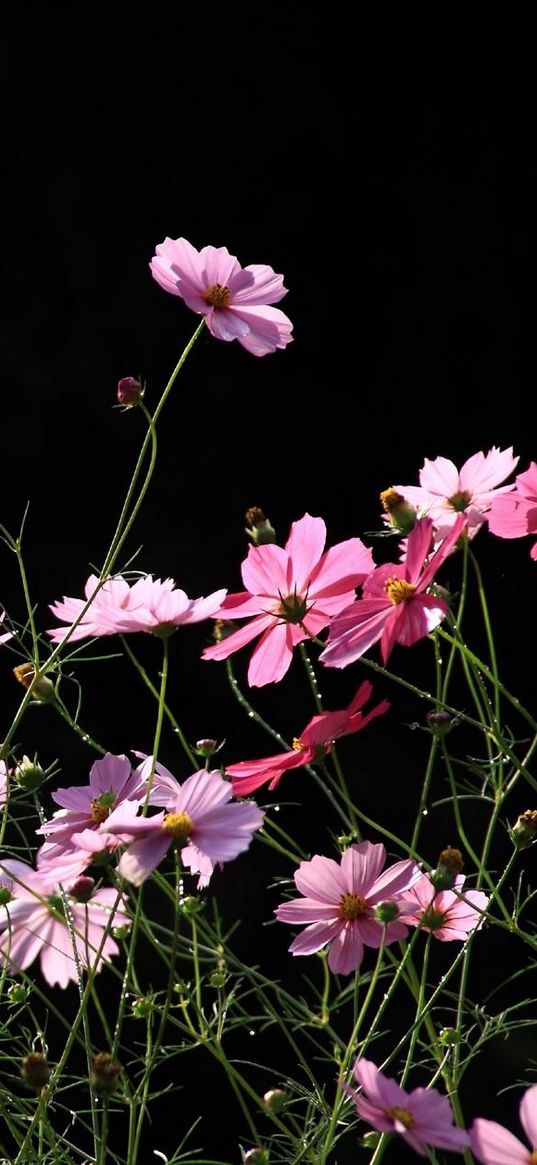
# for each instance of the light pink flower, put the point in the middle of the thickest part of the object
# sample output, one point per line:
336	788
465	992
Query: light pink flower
150	605
422	1117
85	808
395	606
495	1145
339	903
515	514
291	594
32	923
198	819
444	492
232	298
6	635
4	783
444	913
315	741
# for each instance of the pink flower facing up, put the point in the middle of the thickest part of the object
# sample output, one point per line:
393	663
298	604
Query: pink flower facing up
233	299
32	922
76	826
395	606
291	594
515	514
198	819
495	1145
150	605
313	744
422	1117
339	904
444	913
444	492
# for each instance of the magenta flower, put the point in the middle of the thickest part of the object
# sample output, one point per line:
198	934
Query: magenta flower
444	913
198	819
291	594
395	606
233	299
339	904
32	922
85	808
150	605
422	1117
515	514
314	742
495	1145
444	492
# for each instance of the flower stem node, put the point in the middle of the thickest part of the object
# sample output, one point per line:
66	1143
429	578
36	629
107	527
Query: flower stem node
275	1100
524	831
42	688
450	865
29	775
105	1074
35	1071
129	391
439	722
258	527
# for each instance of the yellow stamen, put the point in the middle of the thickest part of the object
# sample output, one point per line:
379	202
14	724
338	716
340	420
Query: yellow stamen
398	590
217	295
402	1115
460	501
297	744
180	825
352	906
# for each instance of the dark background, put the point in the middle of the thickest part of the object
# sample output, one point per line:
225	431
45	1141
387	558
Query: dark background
388	169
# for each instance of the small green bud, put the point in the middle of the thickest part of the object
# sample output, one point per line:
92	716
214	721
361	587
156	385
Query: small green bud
5	895
524	831
255	1157
275	1100
18	993
143	1006
28	774
43	688
191	905
259	528
207	747
387	911
217	979
439	722
120	932
35	1070
401	514
449	1037
450	865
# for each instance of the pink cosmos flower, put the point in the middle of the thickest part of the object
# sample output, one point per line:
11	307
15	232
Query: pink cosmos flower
291	594
515	514
495	1145
85	807
6	635
395	606
32	922
422	1117
233	299
150	605
339	904
444	913
315	741
444	492
198	818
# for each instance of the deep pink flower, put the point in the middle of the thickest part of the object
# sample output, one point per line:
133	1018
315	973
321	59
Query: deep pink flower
198	818
444	913
291	594
232	298
316	740
422	1117
495	1145
444	492
150	605
515	514
85	807
32	923
339	903
395	606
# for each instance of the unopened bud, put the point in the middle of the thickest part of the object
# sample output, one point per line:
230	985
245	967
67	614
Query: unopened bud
275	1100
450	865
105	1073
255	1157
18	993
449	1037
28	774
143	1007
217	979
207	746
439	722
401	514
387	911
524	831
35	1070
129	391
191	905
43	688
82	889
259	528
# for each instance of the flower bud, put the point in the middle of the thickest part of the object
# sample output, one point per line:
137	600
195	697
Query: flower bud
259	528
18	993
387	911
190	905
450	865
275	1100
439	722
401	514
43	688
28	774
129	391
142	1007
255	1157
82	889
35	1070
207	746
524	831
217	979
449	1037
105	1073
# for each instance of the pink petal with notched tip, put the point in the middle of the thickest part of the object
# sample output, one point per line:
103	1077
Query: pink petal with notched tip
263	286
361	865
305	546
492	1144
321	878
343	567
346	950
266	571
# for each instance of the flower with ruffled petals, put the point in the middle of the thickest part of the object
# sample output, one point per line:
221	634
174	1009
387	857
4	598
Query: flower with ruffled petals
198	818
290	594
233	299
444	492
315	741
515	514
446	914
339	904
84	808
151	604
492	1144
32	923
422	1117
395	606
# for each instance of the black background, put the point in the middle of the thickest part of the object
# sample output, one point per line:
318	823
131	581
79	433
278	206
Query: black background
387	167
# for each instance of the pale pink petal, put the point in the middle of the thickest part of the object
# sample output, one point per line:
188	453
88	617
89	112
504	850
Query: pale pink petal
272	656
201	793
481	473
306	910
395	880
417	618
354	631
361	865
321	878
439	476
269	327
442	553
508	517
492	1144
264	286
305	546
226	833
204	608
267	571
528	1115
217	266
225	325
346	950
142	857
314	937
526	483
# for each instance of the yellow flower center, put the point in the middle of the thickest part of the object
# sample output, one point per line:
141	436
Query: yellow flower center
352	906
101	807
218	296
297	744
390	499
460	501
402	1115
398	590
180	825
